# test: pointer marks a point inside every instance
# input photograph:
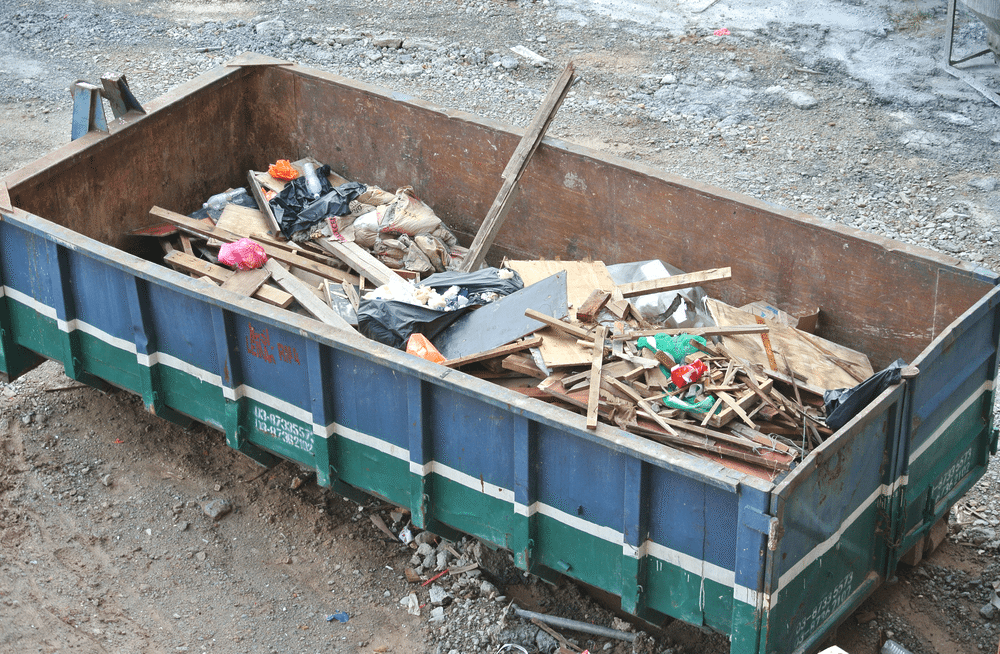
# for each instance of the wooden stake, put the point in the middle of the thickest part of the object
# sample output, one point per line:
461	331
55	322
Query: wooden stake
595	376
515	168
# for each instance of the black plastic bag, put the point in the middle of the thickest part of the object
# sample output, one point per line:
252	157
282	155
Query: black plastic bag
392	322
296	211
843	404
475	284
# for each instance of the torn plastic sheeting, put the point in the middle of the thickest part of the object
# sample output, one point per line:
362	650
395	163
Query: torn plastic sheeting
476	284
392	322
843	404
296	211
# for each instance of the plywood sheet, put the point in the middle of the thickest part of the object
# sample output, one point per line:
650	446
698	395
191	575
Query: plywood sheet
820	361
560	350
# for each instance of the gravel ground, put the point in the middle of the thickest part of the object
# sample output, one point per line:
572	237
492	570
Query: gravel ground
836	109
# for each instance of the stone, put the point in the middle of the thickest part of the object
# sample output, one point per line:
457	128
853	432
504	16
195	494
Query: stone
270	28
979	535
988	611
437	615
987	184
201	556
390	42
345	39
438	595
442	561
509	63
802	100
411	70
424	549
217	509
106	480
424	537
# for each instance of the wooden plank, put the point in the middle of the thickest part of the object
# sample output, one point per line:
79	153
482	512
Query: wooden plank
675	282
305	296
644	403
201	229
522	364
595	374
592	306
202	268
806	353
186	244
359	259
515	168
735	407
258	195
572	330
243	221
246	282
733	330
502	351
352	295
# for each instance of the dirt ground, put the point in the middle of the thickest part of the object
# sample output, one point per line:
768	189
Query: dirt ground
105	543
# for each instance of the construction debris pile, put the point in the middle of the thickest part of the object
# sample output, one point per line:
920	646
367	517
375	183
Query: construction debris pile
634	345
647	352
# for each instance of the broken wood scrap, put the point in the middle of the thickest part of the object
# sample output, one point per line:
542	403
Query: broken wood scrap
572	330
522	364
732	330
359	259
199	228
198	267
498	352
592	306
246	282
304	296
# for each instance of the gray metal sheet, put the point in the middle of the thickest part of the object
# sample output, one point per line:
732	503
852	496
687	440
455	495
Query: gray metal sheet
503	321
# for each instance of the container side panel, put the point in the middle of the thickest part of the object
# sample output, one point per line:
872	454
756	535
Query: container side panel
369	400
471	438
952	415
692	539
273	363
835	526
27	268
183	333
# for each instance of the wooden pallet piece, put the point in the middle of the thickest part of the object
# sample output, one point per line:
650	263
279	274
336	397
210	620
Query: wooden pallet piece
220	275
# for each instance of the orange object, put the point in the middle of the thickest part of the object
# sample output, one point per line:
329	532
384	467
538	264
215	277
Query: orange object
419	345
282	170
269	194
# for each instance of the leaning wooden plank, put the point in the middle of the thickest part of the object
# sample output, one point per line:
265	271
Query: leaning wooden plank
246	282
572	330
305	296
675	282
515	168
595	375
522	364
201	229
360	259
265	206
501	351
199	267
733	330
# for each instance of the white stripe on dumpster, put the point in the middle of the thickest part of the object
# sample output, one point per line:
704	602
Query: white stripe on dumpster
987	387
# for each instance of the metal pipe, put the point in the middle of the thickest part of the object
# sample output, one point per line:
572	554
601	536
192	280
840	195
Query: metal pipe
575	625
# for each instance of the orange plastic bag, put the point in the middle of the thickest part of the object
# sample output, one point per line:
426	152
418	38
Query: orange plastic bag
419	345
282	170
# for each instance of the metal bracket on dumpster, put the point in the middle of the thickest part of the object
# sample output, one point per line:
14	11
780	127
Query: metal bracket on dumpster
119	96
88	111
764	524
949	64
5	203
